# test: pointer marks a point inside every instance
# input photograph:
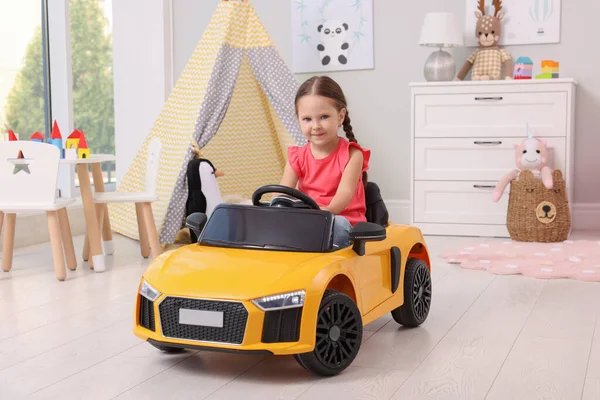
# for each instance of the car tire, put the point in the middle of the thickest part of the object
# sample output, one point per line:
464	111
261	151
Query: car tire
417	294
168	349
339	336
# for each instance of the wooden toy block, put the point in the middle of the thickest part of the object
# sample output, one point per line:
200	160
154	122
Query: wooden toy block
11	136
83	153
550	70
56	139
37	137
523	68
82	148
73	140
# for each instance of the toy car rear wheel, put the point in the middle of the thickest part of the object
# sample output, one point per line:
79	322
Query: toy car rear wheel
417	294
339	336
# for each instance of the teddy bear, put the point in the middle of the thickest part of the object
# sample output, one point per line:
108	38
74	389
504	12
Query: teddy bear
531	154
333	48
488	59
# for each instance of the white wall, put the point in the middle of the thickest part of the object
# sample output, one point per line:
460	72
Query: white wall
141	73
378	99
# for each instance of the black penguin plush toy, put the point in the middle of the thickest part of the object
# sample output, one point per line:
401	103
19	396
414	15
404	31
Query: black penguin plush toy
203	189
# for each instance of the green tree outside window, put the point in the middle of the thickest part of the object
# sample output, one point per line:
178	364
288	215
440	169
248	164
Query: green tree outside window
92	67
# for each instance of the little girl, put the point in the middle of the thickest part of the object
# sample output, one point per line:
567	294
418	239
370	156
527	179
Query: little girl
329	169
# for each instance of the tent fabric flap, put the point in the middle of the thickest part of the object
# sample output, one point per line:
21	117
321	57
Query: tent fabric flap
279	85
247	147
175	124
235	97
213	110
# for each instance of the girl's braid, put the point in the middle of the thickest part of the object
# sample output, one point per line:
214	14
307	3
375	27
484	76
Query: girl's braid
348	128
350	135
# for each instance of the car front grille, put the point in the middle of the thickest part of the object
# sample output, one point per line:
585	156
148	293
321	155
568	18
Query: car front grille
235	317
146	317
282	325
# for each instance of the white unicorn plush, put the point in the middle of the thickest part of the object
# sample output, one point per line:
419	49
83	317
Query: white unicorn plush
531	155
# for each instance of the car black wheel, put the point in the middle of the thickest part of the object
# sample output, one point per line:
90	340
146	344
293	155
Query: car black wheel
167	349
417	294
339	336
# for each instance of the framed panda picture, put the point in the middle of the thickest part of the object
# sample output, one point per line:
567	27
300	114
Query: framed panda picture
332	35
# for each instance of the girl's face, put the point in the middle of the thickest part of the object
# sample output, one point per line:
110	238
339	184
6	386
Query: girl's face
319	119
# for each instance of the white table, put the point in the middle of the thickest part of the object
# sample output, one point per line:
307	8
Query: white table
96	217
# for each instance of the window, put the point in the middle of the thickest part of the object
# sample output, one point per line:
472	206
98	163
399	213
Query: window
57	64
24	73
92	78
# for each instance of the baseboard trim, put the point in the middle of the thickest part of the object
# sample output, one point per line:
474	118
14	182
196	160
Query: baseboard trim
586	217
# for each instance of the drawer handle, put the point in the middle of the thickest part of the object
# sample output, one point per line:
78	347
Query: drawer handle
488	98
484	186
494	142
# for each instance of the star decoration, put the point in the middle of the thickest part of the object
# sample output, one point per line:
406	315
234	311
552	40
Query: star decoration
21	167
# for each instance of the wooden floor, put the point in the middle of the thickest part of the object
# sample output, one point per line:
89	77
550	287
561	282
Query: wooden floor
487	337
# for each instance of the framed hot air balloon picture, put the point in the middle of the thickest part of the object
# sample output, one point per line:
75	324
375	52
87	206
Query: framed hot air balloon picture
525	21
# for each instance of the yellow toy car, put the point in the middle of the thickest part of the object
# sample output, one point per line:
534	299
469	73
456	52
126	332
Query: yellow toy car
265	278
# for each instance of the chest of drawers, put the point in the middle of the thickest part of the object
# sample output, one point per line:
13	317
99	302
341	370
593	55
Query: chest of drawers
462	137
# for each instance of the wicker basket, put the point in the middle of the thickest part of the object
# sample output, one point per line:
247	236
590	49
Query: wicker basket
537	214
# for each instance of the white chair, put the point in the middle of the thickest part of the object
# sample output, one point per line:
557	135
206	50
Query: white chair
28	177
143	202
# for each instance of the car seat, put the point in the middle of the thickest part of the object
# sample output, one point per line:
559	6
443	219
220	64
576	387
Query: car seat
376	210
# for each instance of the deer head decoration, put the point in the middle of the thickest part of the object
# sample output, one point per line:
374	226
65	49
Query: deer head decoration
488	27
489	59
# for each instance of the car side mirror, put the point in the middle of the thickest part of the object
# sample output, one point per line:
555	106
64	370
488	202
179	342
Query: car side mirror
196	222
366	232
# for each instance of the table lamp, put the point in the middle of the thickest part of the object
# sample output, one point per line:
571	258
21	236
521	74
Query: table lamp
440	30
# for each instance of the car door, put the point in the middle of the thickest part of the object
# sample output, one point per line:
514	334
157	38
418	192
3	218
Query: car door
372	274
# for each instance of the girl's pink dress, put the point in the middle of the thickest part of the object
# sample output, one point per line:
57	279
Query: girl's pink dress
320	178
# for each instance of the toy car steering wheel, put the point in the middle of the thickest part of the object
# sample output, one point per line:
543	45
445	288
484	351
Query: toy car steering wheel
257	195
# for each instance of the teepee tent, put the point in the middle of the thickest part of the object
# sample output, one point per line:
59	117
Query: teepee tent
235	97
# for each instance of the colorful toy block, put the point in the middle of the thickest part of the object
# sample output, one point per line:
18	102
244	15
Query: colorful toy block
37	137
82	148
11	136
550	70
56	139
73	140
523	68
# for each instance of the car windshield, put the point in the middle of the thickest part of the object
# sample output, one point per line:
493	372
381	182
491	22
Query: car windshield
267	228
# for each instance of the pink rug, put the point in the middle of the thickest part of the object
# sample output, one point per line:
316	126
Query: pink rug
569	259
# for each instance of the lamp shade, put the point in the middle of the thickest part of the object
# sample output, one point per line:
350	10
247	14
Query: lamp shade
441	30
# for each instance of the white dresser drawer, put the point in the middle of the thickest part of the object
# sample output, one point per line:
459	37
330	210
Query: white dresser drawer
458	203
490	114
487	159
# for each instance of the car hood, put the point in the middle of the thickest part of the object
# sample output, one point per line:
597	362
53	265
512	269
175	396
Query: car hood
225	273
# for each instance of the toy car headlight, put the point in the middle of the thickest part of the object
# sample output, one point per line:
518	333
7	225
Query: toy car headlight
148	291
281	301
